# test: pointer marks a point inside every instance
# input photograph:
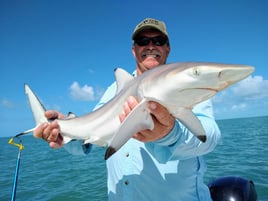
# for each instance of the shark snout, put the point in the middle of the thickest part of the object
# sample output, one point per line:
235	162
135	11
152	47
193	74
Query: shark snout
234	74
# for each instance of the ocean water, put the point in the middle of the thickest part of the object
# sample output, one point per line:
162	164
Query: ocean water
55	175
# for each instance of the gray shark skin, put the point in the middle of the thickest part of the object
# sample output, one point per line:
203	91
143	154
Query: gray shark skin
177	86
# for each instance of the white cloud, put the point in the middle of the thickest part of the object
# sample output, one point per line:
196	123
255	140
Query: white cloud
91	71
248	97
252	88
85	93
238	107
6	103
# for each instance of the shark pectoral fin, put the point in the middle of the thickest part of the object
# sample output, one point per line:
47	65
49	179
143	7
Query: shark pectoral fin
96	140
66	139
139	119
190	121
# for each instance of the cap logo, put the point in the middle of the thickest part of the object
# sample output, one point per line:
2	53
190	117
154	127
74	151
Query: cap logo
149	21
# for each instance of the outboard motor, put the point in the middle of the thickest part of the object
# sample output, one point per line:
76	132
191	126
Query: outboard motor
232	189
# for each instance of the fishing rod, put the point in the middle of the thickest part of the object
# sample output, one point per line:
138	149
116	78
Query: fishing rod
21	147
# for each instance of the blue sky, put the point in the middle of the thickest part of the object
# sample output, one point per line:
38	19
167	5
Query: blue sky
66	50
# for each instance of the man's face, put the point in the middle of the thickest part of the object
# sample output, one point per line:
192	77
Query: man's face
150	55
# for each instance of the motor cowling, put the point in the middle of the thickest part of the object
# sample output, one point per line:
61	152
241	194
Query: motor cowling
232	188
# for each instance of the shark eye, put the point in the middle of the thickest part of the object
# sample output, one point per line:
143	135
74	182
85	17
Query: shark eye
196	71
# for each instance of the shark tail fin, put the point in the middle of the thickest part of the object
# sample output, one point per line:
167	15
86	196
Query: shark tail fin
37	108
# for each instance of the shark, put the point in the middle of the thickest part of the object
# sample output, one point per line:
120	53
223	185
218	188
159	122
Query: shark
177	86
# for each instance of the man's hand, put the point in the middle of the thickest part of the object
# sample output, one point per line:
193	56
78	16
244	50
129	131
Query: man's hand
50	132
163	120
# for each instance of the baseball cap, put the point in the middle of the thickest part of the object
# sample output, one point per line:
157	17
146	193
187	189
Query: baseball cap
150	23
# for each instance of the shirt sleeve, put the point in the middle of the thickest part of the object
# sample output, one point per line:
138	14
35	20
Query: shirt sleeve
181	144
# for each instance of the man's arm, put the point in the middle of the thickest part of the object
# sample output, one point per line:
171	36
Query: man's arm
180	143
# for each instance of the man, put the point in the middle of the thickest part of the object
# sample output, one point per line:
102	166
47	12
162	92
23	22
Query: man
161	164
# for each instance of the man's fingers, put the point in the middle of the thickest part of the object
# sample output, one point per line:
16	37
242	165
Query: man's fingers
132	102
163	120
38	132
53	136
51	132
139	136
55	145
52	114
58	143
128	106
122	116
160	113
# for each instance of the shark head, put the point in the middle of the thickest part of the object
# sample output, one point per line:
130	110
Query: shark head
197	81
216	76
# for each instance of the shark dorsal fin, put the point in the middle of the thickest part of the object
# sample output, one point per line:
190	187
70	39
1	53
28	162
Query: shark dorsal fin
122	77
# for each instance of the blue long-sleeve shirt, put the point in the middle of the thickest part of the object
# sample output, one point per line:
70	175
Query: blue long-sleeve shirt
171	168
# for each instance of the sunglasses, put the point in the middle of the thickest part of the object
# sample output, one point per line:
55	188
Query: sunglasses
157	40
